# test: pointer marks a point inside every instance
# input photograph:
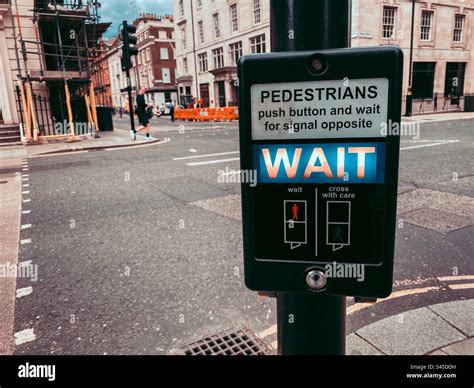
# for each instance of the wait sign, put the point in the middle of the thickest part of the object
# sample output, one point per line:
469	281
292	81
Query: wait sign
327	172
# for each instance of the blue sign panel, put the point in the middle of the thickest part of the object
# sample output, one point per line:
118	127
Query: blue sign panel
362	163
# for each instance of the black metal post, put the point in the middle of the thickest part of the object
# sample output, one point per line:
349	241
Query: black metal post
409	96
128	61
310	324
130	100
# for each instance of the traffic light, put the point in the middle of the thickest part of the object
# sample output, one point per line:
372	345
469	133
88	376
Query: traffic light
129	48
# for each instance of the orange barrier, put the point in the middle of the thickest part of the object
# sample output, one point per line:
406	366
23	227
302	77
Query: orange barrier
207	114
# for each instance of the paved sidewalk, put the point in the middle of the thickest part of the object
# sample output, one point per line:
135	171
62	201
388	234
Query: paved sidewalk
440	329
437	117
113	139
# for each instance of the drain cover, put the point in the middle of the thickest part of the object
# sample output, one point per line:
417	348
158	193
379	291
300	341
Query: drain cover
242	342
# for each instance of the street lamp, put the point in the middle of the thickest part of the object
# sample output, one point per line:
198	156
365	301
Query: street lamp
409	96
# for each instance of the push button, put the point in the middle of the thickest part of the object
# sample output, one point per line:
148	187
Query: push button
316	280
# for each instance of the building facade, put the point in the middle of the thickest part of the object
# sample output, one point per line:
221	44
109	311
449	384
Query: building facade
153	68
443	55
47	48
101	73
117	76
211	36
8	64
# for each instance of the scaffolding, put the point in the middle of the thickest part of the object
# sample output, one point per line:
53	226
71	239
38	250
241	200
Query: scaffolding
63	51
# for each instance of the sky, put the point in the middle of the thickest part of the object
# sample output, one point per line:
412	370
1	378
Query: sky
116	11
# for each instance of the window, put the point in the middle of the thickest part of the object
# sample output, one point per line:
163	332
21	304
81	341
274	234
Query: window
218	55
139	58
257	44
454	81
182	32
166	75
388	22
217	30
458	28
423	79
150	77
185	65
162	34
164	53
146	35
201	31
199	4
235	52
257	13
148	54
202	58
181	8
234	17
426	22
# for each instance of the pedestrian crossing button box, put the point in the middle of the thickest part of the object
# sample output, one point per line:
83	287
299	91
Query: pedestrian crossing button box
318	130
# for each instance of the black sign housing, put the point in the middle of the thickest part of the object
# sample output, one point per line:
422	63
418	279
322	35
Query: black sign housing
335	212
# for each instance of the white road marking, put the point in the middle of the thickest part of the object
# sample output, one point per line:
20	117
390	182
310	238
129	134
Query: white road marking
429	145
26	226
58	154
25	179
461	286
193	150
208	155
25	263
26	200
451	278
24	336
25	241
212	162
21	292
25	175
25	192
231	173
25	211
26	185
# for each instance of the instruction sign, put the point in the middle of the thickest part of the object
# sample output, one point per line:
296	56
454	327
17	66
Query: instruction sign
320	109
326	169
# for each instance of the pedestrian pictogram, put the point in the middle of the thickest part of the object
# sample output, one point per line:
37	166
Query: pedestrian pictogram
338	216
296	228
295	210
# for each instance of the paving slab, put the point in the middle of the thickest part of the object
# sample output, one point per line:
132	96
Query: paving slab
415	332
438	220
356	346
460	348
459	313
460	205
438	352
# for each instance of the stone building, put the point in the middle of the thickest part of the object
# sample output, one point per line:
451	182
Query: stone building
443	55
211	37
154	67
